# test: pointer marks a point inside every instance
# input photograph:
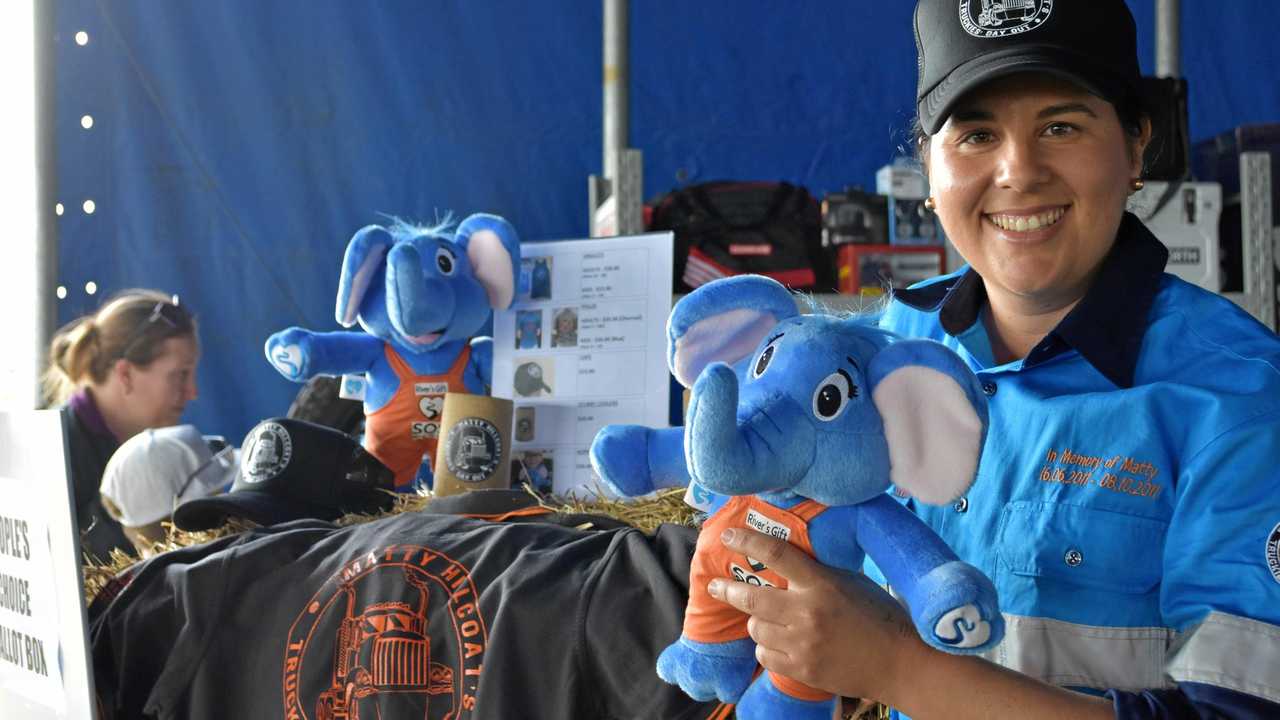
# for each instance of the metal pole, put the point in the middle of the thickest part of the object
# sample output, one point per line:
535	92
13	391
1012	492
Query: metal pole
616	72
1168	38
46	306
1256	222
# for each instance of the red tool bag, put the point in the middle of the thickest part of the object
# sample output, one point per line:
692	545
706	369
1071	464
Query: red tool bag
734	228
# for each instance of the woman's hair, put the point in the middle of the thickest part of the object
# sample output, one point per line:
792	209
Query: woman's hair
566	314
132	325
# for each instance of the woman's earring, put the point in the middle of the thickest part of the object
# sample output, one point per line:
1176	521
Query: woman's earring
930	204
1137	184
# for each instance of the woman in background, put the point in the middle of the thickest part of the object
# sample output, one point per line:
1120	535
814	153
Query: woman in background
128	367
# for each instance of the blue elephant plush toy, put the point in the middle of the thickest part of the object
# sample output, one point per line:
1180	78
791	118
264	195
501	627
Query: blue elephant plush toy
635	460
420	294
824	414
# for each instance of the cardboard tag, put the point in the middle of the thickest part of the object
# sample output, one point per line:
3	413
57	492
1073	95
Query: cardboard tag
475	444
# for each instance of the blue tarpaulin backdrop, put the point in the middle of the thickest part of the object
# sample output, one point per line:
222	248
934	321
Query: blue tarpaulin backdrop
236	145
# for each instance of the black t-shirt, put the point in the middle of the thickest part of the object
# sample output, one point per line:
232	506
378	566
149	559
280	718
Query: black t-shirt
415	615
89	451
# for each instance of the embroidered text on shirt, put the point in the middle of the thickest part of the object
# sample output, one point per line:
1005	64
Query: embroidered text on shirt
1115	473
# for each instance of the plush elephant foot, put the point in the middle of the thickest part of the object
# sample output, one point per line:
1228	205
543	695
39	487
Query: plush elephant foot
764	701
620	457
707	671
958	609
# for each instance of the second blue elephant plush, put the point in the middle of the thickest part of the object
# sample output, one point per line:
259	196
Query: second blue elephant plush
800	439
420	294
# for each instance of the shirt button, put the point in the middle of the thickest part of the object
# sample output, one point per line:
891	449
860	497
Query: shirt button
961	505
989	387
1073	557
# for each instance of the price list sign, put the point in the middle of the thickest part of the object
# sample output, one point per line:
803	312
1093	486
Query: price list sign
583	346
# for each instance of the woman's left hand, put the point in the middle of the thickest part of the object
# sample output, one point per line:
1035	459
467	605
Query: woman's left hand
828	629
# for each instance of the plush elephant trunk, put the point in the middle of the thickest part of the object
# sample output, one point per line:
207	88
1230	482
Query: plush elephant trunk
770	448
419	306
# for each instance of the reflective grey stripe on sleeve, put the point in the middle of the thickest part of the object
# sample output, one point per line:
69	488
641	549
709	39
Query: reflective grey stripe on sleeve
1230	651
1091	656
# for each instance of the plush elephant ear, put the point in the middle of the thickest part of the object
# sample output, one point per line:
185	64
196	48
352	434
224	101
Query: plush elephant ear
724	321
365	254
493	247
935	418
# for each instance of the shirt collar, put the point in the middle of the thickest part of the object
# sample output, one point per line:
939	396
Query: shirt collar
1106	327
86	408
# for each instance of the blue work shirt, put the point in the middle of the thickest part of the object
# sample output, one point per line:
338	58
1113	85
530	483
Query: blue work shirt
1127	505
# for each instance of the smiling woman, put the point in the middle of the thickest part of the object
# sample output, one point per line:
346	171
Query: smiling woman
129	367
1125	505
1030	175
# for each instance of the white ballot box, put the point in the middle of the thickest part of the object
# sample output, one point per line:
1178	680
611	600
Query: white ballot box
44	647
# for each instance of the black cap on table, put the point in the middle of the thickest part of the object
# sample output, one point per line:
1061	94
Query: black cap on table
291	469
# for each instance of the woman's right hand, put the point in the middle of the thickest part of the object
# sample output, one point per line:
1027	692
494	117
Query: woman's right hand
828	629
845	635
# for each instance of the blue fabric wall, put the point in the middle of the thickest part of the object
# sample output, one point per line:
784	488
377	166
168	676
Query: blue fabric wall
238	144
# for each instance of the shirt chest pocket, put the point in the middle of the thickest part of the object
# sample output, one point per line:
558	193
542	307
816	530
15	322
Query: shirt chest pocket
1085	546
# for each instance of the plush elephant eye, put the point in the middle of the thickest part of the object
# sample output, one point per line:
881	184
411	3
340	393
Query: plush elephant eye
762	362
444	261
832	395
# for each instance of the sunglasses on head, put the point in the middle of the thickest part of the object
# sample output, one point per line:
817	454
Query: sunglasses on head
170	313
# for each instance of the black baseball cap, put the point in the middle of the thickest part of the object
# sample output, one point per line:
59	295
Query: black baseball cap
961	44
528	379
292	469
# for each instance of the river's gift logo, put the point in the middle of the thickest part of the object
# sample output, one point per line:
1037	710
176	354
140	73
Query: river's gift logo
998	18
395	633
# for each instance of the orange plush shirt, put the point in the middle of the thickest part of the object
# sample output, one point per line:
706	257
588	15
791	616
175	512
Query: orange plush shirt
407	429
707	620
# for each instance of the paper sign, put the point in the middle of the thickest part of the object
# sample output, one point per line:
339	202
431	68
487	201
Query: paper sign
28	617
584	345
43	634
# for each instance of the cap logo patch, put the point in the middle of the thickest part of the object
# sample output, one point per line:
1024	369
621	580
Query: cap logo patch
1273	552
268	453
1001	18
473	449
